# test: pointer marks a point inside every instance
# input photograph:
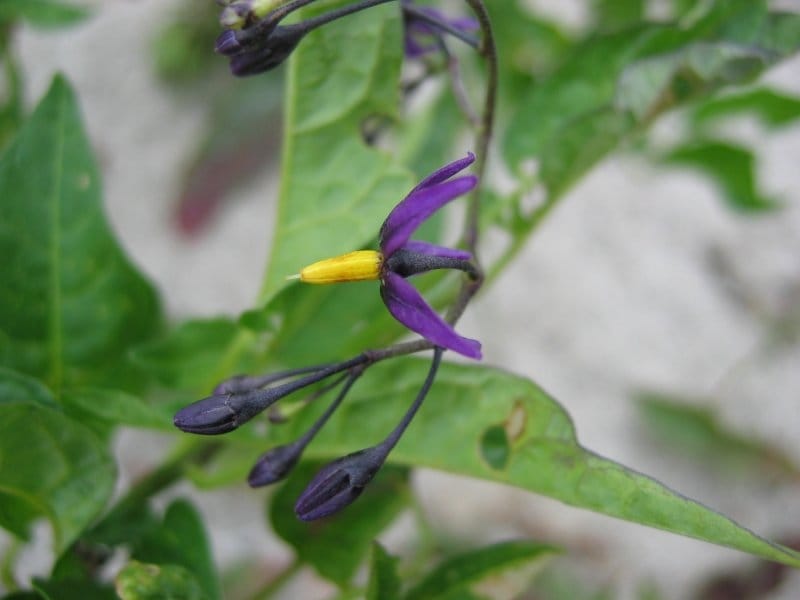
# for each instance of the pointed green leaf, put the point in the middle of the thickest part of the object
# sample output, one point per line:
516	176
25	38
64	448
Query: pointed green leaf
696	431
43	13
544	457
384	582
335	190
772	107
143	581
730	167
71	302
465	570
50	465
181	540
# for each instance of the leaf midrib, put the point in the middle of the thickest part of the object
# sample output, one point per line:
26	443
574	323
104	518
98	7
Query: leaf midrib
55	199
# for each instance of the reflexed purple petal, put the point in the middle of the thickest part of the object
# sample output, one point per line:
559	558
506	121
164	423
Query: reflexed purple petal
446	172
407	306
434	250
415	208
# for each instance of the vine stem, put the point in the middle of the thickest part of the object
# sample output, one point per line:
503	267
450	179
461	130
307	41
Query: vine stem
488	50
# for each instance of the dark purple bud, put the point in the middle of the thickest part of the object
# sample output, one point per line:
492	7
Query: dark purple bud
222	413
339	483
275	464
228	44
270	53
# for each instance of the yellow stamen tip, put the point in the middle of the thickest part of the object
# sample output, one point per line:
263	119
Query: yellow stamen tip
295	276
361	265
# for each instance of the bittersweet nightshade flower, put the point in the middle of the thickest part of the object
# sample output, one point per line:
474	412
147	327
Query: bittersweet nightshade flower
340	482
400	257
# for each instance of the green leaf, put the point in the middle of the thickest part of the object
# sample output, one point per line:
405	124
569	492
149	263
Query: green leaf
384	582
335	190
610	15
731	168
336	546
50	465
545	456
69	589
463	571
43	13
181	540
193	355
142	581
696	431
71	303
111	407
773	108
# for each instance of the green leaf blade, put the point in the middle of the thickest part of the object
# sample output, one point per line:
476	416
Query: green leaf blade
331	181
545	456
72	303
384	582
42	13
64	473
461	572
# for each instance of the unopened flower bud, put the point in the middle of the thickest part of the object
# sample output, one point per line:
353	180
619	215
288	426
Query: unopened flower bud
222	413
275	464
276	48
228	44
339	483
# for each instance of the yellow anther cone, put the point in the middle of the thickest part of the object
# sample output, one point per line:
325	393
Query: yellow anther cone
361	265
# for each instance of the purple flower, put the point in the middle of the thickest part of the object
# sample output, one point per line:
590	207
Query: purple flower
400	257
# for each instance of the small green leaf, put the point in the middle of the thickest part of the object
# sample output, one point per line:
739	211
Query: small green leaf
112	407
695	430
731	168
50	465
43	13
384	582
69	589
773	108
181	540
461	572
610	15
336	546
71	303
545	455
194	355
335	190
142	581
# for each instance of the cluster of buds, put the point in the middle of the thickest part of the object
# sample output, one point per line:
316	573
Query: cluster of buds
255	41
237	400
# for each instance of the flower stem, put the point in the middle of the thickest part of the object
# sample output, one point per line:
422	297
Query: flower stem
488	50
392	439
315	22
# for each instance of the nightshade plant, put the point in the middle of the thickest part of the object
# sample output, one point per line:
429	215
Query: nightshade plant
332	398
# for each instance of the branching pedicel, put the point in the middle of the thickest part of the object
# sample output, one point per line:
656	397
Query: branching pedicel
255	42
